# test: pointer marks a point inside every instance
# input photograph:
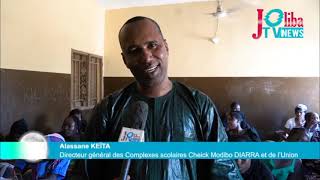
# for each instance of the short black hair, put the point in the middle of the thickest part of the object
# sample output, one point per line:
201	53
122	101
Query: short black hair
308	115
139	18
74	112
307	118
234	104
19	127
298	109
75	120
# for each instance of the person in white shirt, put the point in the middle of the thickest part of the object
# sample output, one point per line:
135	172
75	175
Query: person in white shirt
298	121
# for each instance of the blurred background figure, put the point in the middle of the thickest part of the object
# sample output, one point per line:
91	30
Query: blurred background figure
235	107
80	122
7	172
312	126
70	129
50	169
234	128
297	121
252	169
289	169
18	128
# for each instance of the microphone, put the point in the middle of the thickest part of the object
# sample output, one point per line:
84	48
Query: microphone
138	114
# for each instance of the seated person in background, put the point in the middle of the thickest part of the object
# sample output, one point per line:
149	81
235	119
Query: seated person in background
7	172
53	169
297	121
17	129
234	128
235	107
81	123
252	169
71	132
298	135
69	129
312	126
311	167
287	169
77	166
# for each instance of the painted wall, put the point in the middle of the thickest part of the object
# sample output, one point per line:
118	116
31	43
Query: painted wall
187	28
268	102
41	98
38	35
36	41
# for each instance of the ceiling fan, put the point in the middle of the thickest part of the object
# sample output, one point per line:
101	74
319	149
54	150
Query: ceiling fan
224	12
221	12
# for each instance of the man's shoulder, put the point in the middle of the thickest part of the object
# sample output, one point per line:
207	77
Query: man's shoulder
112	97
196	93
290	123
291	120
193	95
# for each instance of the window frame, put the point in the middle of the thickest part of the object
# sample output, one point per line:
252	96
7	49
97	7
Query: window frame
93	65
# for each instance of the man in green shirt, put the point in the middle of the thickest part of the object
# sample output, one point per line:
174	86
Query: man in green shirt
176	112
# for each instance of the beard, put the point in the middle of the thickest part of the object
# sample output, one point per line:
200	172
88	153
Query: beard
149	79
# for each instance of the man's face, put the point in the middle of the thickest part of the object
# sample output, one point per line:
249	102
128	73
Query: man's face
313	122
144	52
69	127
244	165
232	122
236	108
299	114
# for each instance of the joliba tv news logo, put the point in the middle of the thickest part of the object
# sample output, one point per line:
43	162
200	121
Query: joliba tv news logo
277	23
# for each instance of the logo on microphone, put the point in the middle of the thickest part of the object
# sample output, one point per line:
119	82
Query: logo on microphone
279	23
131	135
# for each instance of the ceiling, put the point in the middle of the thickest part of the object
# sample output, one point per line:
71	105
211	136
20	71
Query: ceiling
118	4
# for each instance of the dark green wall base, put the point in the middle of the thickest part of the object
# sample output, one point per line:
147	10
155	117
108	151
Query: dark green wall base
43	99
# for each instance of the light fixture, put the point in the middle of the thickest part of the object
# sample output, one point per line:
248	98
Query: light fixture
215	39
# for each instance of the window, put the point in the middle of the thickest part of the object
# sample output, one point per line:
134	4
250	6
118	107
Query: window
86	80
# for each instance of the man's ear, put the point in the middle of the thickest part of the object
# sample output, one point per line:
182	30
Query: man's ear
166	45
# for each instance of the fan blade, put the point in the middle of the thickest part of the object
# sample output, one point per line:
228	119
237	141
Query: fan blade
252	2
215	14
232	10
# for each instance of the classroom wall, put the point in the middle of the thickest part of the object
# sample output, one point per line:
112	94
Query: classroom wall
36	41
269	77
187	28
37	35
42	98
266	101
